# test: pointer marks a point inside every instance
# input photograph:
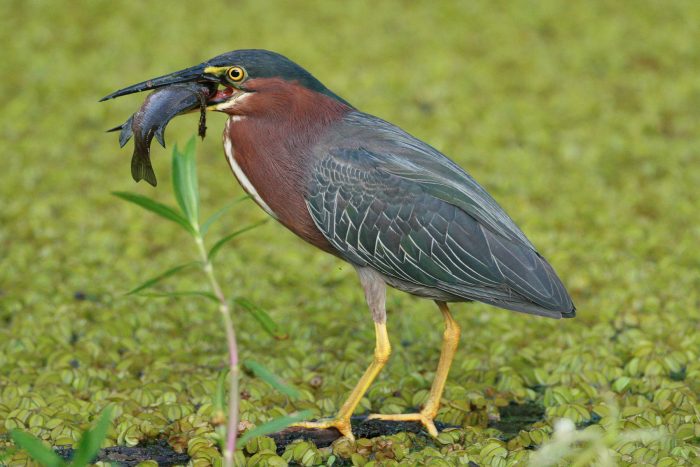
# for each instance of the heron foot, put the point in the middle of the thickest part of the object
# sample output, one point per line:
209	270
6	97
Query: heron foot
426	419
340	424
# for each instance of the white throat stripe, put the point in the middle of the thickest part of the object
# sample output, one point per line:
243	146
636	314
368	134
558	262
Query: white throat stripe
238	172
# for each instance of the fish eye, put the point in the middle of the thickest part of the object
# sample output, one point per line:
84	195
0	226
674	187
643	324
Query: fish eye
235	74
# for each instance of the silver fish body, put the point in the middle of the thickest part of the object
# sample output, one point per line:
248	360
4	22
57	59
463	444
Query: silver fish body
161	106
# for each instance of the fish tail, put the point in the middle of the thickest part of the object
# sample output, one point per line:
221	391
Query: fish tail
141	169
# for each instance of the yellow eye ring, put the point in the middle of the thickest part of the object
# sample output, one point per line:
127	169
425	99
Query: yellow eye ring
235	74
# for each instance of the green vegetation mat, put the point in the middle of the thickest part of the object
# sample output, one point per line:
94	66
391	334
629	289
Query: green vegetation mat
581	118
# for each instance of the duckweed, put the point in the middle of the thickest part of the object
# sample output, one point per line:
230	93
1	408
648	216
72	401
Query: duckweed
580	118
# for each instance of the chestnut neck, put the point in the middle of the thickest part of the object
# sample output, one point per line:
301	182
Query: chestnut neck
288	106
273	130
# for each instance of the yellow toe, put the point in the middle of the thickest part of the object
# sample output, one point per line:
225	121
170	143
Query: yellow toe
342	425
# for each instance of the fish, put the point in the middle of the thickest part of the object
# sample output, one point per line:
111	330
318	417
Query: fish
160	106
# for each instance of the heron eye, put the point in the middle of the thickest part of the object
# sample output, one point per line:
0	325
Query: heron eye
236	74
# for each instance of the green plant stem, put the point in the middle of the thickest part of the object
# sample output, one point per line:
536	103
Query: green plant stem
232	424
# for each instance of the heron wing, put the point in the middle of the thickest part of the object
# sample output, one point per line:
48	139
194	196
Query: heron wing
386	200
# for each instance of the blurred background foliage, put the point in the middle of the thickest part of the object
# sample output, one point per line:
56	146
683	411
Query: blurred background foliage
581	118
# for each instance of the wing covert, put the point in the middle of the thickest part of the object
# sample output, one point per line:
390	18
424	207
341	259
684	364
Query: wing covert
395	225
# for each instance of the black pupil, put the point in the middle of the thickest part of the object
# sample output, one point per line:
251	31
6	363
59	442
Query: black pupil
235	73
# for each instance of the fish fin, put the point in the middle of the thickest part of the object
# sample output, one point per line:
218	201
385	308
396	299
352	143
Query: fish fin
126	132
141	169
125	136
151	176
160	134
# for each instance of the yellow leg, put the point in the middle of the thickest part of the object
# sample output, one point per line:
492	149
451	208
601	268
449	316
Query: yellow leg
430	410
341	422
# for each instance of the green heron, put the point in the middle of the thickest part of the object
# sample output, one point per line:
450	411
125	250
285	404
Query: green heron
366	191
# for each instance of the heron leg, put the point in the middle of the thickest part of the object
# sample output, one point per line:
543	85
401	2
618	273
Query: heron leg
375	293
426	416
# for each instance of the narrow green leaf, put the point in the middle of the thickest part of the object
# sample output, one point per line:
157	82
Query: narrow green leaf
271	379
215	217
185	293
273	426
36	449
185	181
91	440
157	208
154	280
262	317
217	246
